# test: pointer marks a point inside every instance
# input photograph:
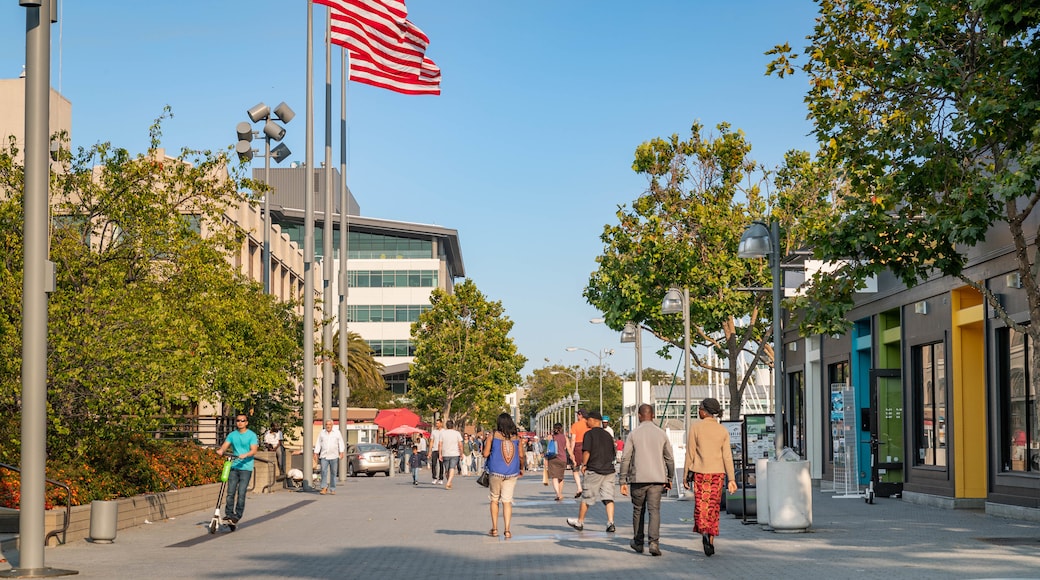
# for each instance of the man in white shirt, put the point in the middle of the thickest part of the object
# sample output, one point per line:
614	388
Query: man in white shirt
435	452
451	451
329	449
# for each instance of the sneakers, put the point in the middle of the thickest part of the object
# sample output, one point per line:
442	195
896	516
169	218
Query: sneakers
655	549
232	523
576	524
610	528
415	483
639	547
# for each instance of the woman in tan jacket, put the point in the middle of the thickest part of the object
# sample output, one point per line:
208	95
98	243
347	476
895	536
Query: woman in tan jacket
709	459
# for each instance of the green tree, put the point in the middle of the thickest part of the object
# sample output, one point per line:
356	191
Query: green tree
683	232
465	362
364	374
149	317
932	110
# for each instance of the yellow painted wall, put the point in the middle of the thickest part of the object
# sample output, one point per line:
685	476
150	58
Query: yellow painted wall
969	394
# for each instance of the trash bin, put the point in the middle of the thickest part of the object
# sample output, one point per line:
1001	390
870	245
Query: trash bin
104	516
790	496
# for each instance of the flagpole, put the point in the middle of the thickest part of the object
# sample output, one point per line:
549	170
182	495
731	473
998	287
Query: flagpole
308	263
326	229
344	245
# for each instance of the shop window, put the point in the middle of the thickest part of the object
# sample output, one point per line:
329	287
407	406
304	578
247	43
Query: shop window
929	392
1019	404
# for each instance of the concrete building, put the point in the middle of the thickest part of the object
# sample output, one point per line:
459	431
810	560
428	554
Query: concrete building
393	266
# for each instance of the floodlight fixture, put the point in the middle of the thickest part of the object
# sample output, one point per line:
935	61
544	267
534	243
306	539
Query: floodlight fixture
273	130
280	153
284	113
258	112
244	150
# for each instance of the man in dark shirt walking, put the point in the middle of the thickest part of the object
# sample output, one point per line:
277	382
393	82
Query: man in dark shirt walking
597	449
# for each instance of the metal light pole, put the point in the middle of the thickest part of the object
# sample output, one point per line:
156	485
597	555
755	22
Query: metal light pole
261	112
600	355
37	281
633	333
674	302
759	241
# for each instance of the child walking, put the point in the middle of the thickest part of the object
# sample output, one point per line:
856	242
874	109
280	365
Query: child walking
413	463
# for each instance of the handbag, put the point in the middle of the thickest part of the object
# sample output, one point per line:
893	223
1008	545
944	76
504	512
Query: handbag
484	479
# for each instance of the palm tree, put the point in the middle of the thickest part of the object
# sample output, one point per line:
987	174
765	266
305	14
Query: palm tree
367	388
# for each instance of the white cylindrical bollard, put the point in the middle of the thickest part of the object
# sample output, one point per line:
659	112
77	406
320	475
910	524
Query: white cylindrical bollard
790	496
104	516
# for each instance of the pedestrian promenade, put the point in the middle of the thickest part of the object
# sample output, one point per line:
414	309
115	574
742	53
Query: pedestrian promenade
386	528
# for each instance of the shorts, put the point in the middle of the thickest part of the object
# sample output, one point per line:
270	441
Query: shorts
597	487
501	488
450	462
578	457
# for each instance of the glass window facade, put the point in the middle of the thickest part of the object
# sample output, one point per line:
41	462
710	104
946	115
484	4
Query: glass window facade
1019	404
393	279
385	312
929	384
392	347
364	245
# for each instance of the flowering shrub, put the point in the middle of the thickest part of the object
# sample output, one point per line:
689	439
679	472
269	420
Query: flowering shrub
122	469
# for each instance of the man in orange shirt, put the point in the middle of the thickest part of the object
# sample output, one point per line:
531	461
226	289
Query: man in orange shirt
578	430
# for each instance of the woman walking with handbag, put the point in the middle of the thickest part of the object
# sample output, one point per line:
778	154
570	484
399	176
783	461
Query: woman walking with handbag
709	460
504	452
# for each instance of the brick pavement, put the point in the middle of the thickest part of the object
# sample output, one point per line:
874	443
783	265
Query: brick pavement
386	528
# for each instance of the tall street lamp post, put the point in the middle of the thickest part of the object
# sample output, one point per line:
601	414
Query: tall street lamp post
676	301
633	333
244	148
603	352
760	241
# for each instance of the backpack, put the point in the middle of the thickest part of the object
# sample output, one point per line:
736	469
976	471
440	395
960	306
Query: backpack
550	449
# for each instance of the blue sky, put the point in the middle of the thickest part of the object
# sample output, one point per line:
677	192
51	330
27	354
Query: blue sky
527	153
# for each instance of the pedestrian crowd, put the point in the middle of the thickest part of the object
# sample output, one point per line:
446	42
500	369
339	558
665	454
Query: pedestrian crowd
642	463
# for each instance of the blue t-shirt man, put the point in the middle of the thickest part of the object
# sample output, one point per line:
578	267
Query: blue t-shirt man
243	445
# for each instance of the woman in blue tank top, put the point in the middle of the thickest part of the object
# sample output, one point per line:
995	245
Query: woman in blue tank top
504	452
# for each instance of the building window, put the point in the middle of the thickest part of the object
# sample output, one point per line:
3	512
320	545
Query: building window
379	246
393	279
796	392
385	312
929	386
392	347
397	383
1019	404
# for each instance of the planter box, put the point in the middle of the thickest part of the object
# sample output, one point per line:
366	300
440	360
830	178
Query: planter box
133	511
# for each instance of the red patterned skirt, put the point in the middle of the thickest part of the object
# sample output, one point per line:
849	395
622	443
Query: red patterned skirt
707	496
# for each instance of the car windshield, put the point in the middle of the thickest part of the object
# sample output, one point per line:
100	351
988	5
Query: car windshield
369	447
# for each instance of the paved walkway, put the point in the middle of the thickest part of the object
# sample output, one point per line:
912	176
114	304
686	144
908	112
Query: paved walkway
380	528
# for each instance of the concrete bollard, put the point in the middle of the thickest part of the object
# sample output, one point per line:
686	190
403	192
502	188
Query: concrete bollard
104	517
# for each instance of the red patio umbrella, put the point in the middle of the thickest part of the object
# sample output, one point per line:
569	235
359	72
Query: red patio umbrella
406	430
390	418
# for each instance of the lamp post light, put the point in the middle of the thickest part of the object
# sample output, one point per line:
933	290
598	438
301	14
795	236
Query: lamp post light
676	301
760	241
603	352
576	398
272	131
633	333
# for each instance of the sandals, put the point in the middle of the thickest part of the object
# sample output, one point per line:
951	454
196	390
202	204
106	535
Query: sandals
559	498
507	534
493	533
